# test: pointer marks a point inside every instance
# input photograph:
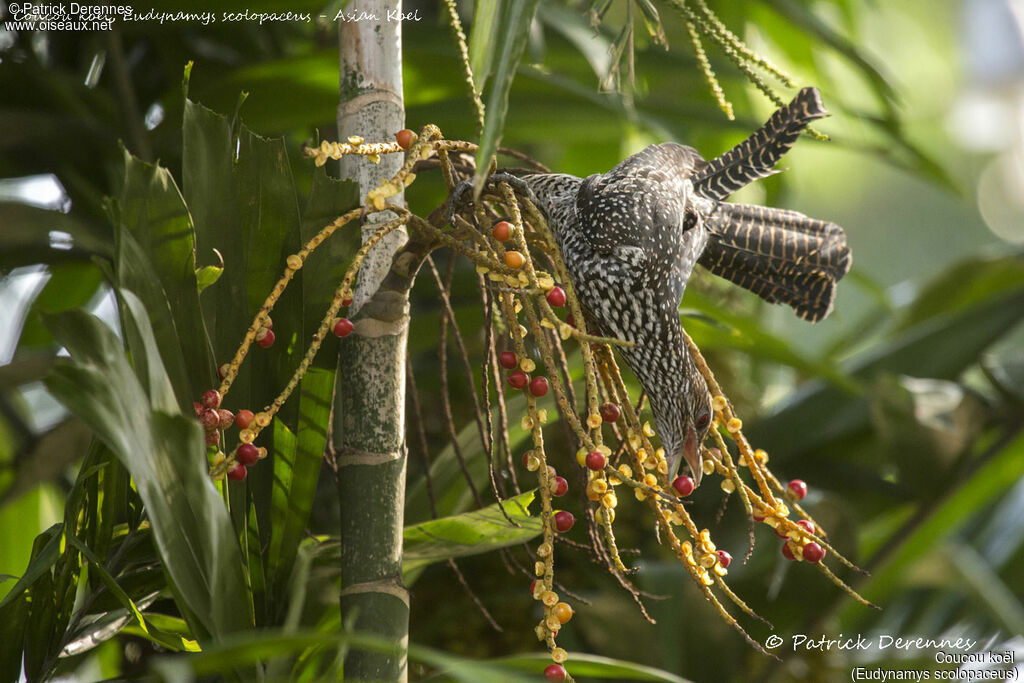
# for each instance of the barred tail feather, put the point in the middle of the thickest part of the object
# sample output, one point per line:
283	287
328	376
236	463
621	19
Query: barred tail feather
756	156
782	256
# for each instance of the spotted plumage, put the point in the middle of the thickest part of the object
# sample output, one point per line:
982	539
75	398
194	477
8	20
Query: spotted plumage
631	237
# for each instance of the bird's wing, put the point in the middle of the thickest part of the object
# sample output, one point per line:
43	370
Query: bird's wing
634	218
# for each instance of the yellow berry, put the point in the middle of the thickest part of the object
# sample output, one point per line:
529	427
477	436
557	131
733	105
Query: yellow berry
563	611
539	568
728	486
609	500
734	425
708	466
262	419
544	549
247	436
527	365
599	485
648	430
552	623
594	420
549	598
625	470
559	655
718	403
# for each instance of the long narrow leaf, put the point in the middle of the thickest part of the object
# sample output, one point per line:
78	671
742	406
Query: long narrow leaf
165	457
516	19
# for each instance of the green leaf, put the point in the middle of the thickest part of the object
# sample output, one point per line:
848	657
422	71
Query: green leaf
991	481
30	232
250	648
452	495
42	561
208	275
483	40
297	462
589	666
517	15
470	533
156	260
965	284
165	456
940	347
109	581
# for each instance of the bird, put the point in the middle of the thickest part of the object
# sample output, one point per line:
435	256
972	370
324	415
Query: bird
630	239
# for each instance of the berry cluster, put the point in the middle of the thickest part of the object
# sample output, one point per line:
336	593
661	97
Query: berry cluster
215	420
527	299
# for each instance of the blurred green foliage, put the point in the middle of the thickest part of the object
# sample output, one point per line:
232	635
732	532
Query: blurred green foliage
903	411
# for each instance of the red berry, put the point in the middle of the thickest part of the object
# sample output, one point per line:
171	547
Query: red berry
502	231
226	418
248	454
238	474
555	672
267	340
518	379
610	412
596	460
556	297
198	408
343	327
561	486
211	399
244	418
813	552
724	558
508	360
533	585
539	386
405	138
797	489
222	371
786	552
807	525
570	320
683	485
564	521
210	419
212	437
346	302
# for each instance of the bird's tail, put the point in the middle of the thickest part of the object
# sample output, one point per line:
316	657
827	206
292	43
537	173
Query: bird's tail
782	256
756	156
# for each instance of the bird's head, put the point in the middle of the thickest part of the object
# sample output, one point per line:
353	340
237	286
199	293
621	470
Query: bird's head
683	418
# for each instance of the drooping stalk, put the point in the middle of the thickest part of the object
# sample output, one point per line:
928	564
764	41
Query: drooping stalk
369	405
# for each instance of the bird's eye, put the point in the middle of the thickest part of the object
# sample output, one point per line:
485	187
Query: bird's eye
703	421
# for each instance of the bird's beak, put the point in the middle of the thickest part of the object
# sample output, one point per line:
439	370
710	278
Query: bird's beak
691	452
